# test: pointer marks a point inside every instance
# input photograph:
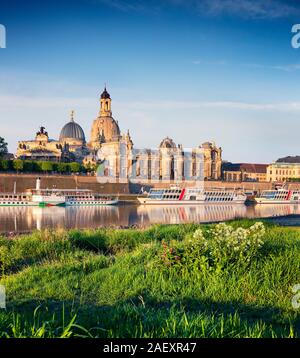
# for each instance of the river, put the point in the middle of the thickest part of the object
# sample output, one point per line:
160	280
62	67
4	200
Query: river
25	219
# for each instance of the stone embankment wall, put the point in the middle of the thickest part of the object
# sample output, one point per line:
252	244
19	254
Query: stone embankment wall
27	181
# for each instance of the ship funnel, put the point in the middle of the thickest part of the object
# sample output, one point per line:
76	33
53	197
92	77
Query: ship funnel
38	184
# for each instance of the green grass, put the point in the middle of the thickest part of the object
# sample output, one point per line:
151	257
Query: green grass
108	283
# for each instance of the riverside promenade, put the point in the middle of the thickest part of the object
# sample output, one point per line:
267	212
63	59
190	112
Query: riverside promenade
23	182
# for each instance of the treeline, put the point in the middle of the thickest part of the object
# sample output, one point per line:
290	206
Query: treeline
293	180
28	166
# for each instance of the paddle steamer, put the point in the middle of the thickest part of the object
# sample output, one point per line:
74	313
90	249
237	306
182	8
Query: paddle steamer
55	197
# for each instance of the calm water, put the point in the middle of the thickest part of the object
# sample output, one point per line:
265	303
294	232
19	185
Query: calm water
23	219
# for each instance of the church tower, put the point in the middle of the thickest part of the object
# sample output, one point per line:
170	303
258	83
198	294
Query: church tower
104	129
105	104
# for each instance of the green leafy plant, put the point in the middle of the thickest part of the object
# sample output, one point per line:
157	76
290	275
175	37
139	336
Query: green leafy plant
220	246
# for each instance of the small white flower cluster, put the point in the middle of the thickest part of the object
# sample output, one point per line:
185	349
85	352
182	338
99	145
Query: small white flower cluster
198	240
226	243
198	235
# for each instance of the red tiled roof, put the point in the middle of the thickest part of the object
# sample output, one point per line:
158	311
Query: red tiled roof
246	167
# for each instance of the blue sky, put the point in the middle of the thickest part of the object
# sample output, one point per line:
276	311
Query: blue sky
195	70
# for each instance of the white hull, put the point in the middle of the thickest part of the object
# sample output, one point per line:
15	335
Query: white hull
262	201
55	197
48	200
279	196
92	202
146	201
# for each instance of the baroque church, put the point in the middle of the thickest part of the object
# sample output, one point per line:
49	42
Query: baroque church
115	155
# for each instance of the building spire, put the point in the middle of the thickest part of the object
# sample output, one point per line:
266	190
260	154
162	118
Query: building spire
72	115
105	94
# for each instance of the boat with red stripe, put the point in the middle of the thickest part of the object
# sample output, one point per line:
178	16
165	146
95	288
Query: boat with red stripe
192	196
279	196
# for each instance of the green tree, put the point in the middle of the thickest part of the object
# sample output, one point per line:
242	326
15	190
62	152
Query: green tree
4	164
62	167
3	147
29	166
75	167
46	166
18	165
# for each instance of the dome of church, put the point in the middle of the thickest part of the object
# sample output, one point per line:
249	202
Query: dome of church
72	130
105	129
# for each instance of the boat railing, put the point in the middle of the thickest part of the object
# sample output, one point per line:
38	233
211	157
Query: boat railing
16	194
225	189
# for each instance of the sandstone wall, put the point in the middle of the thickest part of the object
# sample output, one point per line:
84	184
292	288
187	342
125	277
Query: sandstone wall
27	181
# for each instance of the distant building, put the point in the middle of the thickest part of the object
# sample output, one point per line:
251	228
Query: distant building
238	172
212	160
71	145
107	141
42	148
164	163
280	171
72	137
289	159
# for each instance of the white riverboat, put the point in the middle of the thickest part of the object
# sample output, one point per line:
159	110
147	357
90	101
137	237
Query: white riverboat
46	197
76	197
279	196
34	197
56	197
87	197
193	196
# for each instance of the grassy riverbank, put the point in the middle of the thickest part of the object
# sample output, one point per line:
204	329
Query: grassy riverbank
159	282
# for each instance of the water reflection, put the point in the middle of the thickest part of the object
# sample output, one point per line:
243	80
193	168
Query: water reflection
23	219
180	214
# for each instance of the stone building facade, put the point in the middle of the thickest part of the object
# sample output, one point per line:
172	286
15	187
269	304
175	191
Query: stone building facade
72	136
71	145
169	162
241	172
114	153
280	171
42	148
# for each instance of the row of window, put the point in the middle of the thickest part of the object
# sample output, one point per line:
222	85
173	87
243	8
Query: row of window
218	193
219	199
14	203
12	197
81	198
173	191
171	197
285	172
86	202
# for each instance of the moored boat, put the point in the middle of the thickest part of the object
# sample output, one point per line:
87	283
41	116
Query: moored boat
192	196
87	197
279	196
34	197
56	197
